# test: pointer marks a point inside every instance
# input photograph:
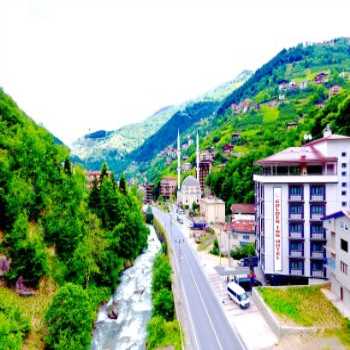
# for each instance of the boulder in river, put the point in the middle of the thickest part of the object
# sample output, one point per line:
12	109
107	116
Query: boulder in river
112	310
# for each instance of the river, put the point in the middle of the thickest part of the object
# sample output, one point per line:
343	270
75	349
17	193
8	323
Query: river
133	297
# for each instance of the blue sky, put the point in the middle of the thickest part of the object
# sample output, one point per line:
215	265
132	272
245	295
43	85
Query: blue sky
78	65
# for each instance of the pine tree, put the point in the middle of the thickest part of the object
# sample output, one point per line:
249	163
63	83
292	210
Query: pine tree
122	184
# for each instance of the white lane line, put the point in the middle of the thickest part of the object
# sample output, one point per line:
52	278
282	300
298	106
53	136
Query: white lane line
204	305
177	267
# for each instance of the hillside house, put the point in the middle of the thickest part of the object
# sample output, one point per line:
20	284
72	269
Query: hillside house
168	186
303	85
93	175
334	90
235	137
242	232
228	148
292	125
243	211
321	78
212	209
186	166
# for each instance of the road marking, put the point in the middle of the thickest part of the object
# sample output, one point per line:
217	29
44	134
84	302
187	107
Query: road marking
204	305
182	288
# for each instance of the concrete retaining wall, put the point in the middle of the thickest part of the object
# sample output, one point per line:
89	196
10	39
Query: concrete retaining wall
277	327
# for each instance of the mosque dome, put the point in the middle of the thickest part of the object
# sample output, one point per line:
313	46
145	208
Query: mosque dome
190	181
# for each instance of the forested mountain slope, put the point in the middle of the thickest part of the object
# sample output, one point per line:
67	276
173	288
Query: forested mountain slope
61	245
296	93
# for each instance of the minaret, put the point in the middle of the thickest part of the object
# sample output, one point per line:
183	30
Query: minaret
178	161
197	155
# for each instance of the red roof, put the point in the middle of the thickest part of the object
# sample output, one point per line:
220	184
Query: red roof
328	138
297	155
244	226
243	209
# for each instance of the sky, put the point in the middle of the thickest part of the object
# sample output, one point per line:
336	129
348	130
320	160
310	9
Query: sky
78	66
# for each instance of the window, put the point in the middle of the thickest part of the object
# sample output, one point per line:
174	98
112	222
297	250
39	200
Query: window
316	228
296	265
296	227
296	246
344	245
246	237
343	173
343	165
343	267
343	193
317	209
295	190
296	209
343	154
343	204
317	247
343	184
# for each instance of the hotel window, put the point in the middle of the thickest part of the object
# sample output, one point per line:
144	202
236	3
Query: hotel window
343	204
317	209
296	265
296	227
343	193
296	190
316	228
343	268
343	154
296	209
343	184
317	190
343	173
344	245
296	246
343	165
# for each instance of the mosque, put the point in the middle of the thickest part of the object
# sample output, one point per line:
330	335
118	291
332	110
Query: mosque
189	191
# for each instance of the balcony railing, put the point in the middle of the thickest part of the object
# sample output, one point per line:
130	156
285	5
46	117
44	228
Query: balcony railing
296	235
317	216
317	255
296	272
298	216
318	236
296	253
316	198
295	197
317	273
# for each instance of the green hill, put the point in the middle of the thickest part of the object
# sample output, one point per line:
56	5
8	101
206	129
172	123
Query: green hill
58	240
298	92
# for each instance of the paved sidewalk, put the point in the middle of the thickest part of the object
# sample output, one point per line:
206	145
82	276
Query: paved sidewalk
251	325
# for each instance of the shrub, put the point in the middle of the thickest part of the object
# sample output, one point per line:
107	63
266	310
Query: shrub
215	250
243	252
161	278
163	304
155	332
69	319
13	327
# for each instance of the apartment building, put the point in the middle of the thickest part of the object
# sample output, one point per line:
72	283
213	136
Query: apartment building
337	227
295	189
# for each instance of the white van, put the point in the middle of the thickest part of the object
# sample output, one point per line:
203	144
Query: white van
238	295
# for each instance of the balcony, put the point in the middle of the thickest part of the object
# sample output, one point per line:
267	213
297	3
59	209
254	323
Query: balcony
296	197
297	216
317	255
317	198
316	216
296	272
296	235
318	273
318	236
296	254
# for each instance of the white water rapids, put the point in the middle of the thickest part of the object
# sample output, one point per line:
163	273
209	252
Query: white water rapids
133	297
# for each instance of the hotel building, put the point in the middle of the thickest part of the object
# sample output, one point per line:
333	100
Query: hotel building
294	190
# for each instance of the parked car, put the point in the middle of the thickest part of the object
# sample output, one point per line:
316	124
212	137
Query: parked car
238	295
179	219
246	281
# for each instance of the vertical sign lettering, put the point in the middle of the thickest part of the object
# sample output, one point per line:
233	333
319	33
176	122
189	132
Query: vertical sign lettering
277	228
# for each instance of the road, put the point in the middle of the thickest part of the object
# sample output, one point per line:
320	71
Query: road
210	327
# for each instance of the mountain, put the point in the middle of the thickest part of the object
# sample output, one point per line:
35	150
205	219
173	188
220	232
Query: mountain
138	143
298	92
101	146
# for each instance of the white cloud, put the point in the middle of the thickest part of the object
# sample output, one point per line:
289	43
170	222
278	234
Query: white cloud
80	65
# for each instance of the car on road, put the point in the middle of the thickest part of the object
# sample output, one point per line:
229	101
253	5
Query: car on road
179	219
238	295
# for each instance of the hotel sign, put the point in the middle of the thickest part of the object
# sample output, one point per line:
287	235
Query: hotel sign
277	228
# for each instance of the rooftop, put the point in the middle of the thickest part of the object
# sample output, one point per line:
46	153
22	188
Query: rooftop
337	214
212	200
190	181
246	226
243	209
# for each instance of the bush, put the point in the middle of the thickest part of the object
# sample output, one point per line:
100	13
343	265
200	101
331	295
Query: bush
215	250
161	278
163	304
155	332
13	327
243	252
70	319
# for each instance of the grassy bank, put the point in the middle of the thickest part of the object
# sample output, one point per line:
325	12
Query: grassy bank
307	306
163	329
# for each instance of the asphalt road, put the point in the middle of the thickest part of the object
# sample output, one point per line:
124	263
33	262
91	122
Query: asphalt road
210	327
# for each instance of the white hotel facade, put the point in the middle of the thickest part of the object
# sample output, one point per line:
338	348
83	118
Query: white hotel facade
296	188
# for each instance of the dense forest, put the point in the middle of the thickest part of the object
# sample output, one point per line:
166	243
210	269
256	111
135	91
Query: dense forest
61	243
